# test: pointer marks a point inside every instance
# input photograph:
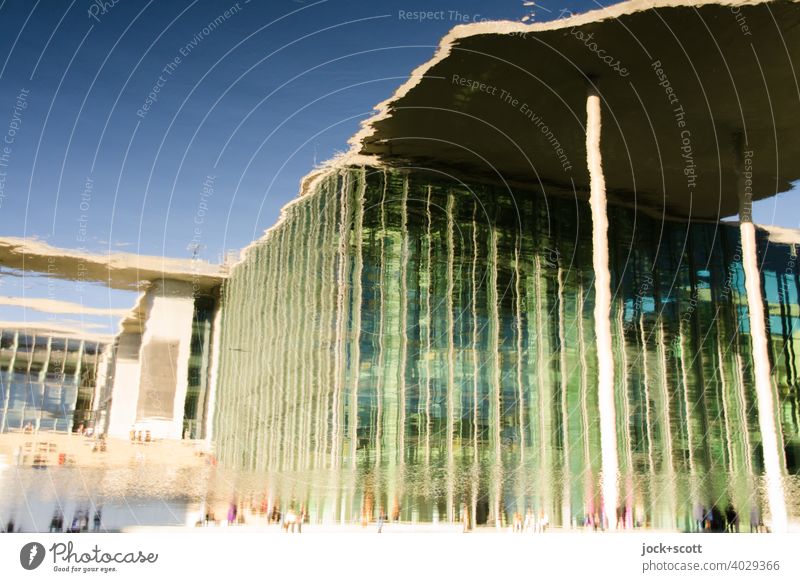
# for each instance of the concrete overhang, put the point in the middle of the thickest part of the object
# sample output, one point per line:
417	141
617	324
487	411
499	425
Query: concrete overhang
781	235
680	83
116	270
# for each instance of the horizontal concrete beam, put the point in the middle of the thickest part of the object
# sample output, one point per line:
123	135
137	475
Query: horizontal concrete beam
116	270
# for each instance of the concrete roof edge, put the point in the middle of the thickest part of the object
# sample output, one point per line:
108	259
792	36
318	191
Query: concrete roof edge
463	31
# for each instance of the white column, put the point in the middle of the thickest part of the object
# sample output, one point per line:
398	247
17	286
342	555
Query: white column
602	309
125	390
758	337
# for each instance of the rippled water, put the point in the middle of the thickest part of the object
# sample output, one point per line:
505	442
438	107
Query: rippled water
426	349
151	495
423	345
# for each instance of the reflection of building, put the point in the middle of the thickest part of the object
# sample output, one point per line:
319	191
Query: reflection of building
162	363
48	379
462	315
158	376
452	316
427	343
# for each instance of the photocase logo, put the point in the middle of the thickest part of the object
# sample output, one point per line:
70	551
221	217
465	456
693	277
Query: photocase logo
31	555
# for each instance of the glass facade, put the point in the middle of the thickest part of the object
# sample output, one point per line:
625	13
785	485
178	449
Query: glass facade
195	405
407	344
47	382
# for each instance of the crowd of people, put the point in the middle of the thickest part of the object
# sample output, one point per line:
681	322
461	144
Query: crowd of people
716	521
80	522
291	521
531	522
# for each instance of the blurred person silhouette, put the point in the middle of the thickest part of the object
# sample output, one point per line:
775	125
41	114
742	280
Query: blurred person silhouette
621	522
715	522
232	512
756	523
544	520
57	523
466	518
732	519
699	516
639	518
530	521
290	521
516	526
240	514
75	525
98	518
381	519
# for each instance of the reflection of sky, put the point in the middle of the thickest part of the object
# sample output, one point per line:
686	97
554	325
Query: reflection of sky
86	323
32	286
781	210
255	101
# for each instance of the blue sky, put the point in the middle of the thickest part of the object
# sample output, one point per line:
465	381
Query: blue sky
253	104
248	107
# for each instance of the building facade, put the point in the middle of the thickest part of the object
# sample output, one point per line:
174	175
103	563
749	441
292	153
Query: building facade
49	382
155	380
425	346
160	383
